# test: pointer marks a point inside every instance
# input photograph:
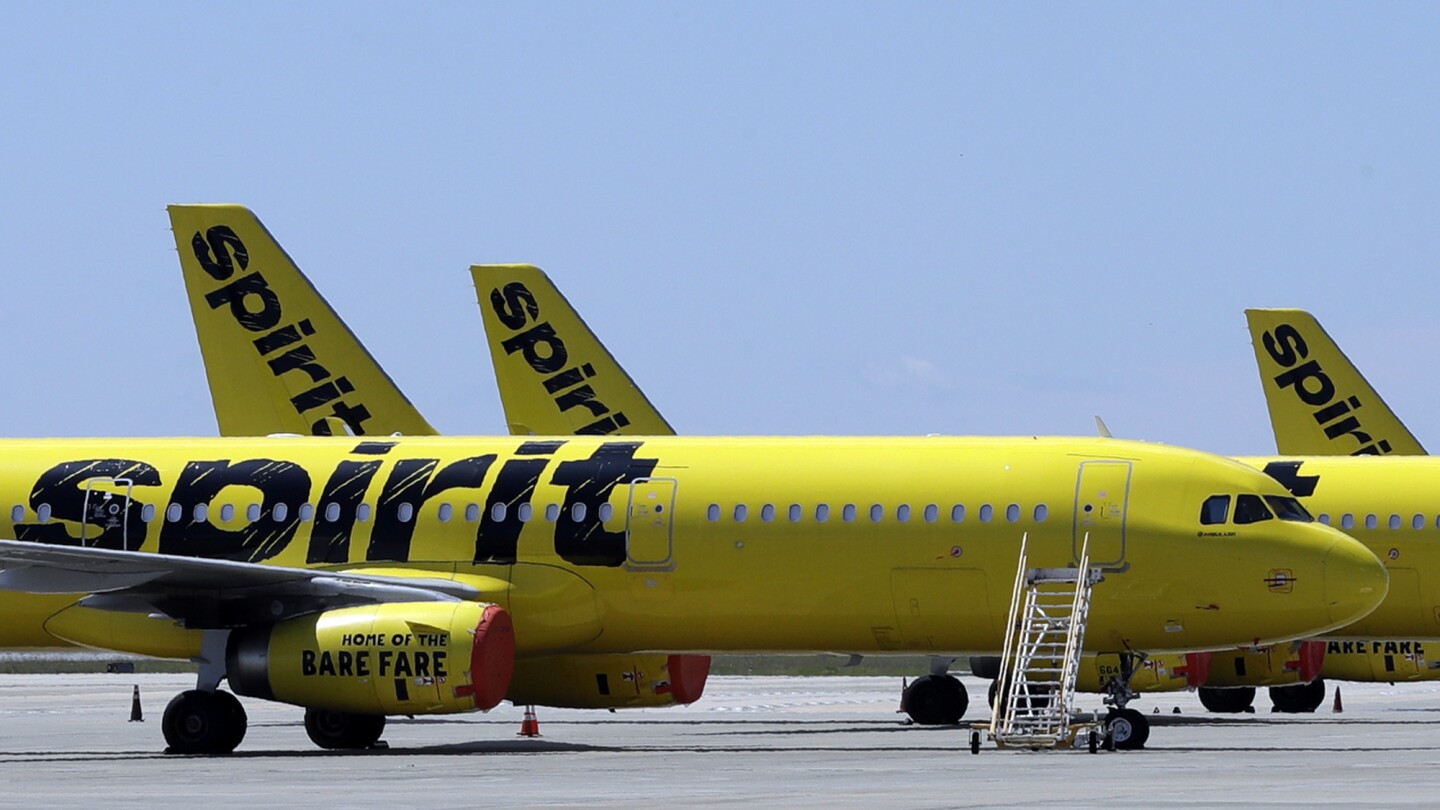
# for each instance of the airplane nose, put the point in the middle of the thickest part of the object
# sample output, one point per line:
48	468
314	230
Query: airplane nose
1355	581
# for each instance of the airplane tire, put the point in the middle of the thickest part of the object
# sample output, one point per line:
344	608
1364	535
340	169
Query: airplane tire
1038	699
197	722
1300	698
343	730
1127	729
936	700
1227	701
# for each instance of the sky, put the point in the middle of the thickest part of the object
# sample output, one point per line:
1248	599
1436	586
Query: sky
783	218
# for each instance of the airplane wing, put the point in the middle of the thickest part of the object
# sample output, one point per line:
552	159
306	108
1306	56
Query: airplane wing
205	593
1320	404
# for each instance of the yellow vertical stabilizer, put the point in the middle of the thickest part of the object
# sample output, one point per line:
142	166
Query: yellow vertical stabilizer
1320	404
278	358
555	376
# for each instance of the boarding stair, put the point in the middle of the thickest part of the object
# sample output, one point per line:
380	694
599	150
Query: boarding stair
1040	661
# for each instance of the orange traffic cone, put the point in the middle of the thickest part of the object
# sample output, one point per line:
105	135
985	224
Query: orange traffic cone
1338	707
904	684
136	716
529	727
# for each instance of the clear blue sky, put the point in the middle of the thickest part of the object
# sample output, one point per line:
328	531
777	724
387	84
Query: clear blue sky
783	217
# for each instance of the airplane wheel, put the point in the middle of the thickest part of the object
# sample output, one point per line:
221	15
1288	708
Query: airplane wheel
1300	698
936	700
199	722
238	723
1038	699
974	742
1127	729
1094	741
340	730
1227	701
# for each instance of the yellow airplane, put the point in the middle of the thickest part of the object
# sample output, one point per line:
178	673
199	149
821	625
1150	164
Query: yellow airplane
359	575
257	392
1226	679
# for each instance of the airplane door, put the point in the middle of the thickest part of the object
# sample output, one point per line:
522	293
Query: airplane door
107	510
1101	495
648	533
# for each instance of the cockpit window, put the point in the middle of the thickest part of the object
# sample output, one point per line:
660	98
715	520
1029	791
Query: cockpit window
1250	509
1215	509
1288	509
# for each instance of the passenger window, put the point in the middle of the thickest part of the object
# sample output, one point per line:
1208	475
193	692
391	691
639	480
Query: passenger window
42	512
1324	518
281	510
252	512
17	514
1012	513
552	512
446	512
902	513
472	512
797	512
1250	509
524	512
1215	510
147	512
822	512
362	512
497	512
877	513
1347	521
713	512
1371	521
1417	522
332	512
404	513
1290	509
932	513
1041	512
986	512
607	511
848	513
957	513
227	513
201	510
767	512
577	512
741	512
307	512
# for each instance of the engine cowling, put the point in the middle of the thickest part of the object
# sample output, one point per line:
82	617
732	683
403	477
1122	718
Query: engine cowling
618	681
398	658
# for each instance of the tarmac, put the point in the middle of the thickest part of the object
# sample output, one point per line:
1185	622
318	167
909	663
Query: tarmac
66	741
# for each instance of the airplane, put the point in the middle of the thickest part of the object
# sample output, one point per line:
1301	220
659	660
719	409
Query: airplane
1226	679
598	394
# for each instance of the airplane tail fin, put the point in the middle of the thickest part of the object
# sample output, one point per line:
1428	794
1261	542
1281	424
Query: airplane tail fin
555	376
278	358
1320	403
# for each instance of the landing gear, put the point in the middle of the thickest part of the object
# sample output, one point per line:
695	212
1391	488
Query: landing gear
935	700
1126	730
200	722
340	730
1038	699
1297	699
1230	701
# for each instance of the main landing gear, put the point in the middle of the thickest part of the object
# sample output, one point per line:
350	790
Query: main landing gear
1228	700
937	699
343	730
205	720
1298	699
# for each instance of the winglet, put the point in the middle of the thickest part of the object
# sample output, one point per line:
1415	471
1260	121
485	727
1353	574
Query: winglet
278	358
1101	428
1320	404
555	376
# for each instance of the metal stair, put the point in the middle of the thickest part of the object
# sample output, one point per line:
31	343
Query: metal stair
1041	657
